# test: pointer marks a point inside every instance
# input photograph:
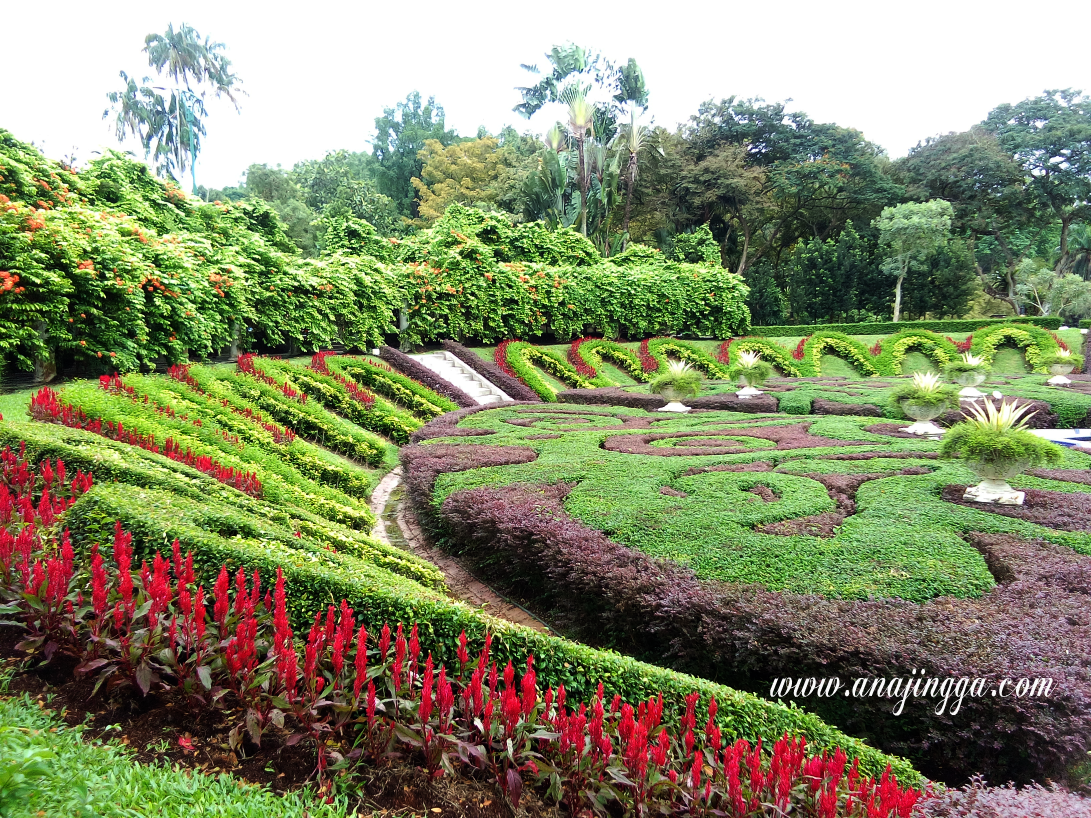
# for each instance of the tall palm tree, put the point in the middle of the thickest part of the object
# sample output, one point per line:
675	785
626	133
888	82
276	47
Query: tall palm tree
581	113
1077	256
635	138
169	121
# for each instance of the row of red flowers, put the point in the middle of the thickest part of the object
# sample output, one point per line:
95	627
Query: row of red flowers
246	366
281	434
152	629
46	406
319	365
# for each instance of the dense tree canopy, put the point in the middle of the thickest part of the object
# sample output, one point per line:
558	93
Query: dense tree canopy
794	205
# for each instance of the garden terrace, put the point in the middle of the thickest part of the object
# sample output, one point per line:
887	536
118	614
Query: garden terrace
749	547
158	499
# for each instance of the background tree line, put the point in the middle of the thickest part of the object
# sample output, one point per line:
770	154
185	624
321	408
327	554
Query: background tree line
820	222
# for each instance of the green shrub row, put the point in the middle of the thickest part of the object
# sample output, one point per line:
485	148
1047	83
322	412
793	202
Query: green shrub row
887	327
522	357
381	417
308	459
418	398
309	420
281	484
128	466
592	352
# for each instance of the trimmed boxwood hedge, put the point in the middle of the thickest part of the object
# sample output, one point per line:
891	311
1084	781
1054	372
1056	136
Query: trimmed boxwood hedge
884	327
423	402
522	358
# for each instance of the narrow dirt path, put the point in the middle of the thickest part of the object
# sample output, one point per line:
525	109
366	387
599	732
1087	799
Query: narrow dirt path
396	525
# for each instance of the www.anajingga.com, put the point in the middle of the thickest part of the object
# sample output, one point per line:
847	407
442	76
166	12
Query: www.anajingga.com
950	691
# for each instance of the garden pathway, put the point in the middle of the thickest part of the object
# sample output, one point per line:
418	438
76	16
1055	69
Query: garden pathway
461	583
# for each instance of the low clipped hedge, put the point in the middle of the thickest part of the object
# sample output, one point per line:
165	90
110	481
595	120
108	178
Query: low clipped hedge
519	358
412	368
381	417
886	327
512	387
1036	343
281	483
588	355
661	350
939	349
309	420
423	402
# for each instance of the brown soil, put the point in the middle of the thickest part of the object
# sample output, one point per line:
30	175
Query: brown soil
765	493
1054	509
667	490
152	726
1067	475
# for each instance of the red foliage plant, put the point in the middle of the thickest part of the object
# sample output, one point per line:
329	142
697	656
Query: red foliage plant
797	353
247	366
576	359
151	630
281	434
647	361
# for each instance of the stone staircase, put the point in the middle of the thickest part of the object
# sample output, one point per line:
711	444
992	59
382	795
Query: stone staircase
452	370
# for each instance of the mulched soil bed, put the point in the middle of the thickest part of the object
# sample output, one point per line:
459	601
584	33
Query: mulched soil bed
1067	475
616	396
144	723
1059	510
829	407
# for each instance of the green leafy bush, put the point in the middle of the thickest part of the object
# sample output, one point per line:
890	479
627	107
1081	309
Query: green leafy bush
884	327
678	377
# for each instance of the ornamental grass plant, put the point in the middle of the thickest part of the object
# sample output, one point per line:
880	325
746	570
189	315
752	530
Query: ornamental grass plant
926	389
751	369
967	362
680	379
992	436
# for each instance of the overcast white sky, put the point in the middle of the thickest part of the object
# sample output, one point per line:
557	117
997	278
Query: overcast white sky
318	74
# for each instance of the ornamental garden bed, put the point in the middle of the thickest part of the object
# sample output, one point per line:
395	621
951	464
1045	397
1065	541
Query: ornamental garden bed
746	548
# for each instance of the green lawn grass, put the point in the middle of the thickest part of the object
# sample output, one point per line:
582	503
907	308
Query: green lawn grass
102	780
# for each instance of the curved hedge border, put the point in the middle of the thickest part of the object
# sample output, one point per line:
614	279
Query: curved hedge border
1036	343
588	354
418	372
512	387
381	417
939	349
844	346
520	358
661	349
418	398
771	352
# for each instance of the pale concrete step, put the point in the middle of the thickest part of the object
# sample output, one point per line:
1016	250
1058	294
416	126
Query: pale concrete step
456	373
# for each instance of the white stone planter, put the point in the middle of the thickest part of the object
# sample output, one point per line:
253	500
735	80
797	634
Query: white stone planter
923	414
994	487
674	404
1058	371
969	382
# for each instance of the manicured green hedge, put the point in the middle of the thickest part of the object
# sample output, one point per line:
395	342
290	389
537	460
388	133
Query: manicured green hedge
281	483
885	327
771	352
310	420
382	417
588	355
418	398
523	357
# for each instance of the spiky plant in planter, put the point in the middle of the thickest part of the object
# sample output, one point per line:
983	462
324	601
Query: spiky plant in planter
923	399
679	381
996	445
751	371
968	371
1060	364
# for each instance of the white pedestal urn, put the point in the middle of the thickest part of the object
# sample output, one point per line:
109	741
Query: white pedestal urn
749	388
923	414
969	382
1059	371
994	487
673	398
